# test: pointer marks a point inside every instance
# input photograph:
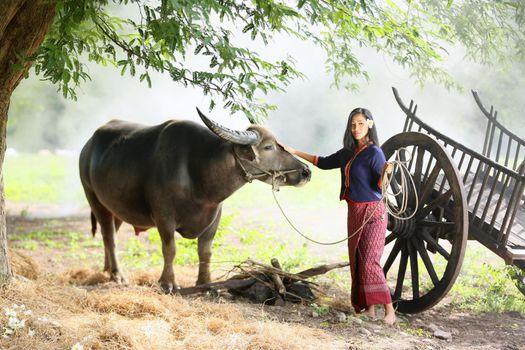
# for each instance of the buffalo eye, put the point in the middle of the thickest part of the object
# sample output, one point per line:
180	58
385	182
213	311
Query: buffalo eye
268	147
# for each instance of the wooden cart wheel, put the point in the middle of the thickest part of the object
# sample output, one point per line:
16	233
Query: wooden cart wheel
427	250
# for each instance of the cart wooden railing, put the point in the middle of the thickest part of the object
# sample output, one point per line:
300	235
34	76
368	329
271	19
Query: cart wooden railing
500	144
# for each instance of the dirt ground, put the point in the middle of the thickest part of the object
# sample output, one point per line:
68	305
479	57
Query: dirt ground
339	329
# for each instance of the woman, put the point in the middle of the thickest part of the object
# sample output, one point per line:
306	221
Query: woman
362	165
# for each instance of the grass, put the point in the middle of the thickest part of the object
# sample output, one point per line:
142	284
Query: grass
32	178
35	239
485	286
256	244
143	252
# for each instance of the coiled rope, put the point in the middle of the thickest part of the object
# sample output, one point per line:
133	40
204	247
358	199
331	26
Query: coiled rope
390	207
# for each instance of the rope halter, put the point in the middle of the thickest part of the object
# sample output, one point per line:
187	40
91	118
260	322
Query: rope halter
274	174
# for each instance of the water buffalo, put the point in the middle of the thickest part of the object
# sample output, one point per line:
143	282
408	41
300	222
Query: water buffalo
175	176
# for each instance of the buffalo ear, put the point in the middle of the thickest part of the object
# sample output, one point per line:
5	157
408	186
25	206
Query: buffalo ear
246	152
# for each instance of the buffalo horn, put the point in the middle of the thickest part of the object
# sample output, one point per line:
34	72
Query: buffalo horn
247	137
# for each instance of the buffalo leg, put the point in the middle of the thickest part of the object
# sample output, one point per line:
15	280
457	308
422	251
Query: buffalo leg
107	260
108	234
107	227
167	278
204	246
118	223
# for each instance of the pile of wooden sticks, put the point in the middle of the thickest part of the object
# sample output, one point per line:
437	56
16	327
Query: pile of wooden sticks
268	284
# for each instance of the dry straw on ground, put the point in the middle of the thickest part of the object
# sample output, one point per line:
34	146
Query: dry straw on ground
23	264
108	316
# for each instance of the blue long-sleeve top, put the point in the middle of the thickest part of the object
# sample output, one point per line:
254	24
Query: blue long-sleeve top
360	172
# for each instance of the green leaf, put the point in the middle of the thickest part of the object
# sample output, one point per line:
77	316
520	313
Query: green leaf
198	49
248	27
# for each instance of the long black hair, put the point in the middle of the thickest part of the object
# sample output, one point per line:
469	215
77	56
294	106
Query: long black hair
349	142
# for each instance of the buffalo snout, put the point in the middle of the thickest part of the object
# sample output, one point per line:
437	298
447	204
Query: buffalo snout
306	173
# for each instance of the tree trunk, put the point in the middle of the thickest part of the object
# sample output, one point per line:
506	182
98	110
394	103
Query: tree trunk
23	26
5	270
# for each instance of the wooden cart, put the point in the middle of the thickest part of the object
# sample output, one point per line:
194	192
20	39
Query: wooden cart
461	194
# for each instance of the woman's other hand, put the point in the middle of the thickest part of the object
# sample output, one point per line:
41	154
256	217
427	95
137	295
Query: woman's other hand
385	176
389	168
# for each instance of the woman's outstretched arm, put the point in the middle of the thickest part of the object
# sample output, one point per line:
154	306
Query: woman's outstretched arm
306	156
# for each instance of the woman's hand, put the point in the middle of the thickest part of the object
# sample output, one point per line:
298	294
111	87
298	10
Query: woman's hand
286	148
389	168
306	156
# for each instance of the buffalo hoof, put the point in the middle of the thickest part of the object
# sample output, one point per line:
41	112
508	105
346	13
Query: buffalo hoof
117	277
203	280
169	288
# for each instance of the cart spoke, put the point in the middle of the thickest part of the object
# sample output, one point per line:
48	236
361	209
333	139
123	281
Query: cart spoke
449	235
396	188
390	238
430	240
419	166
413	269
443	224
401	273
426	260
392	256
439	201
429	184
402	155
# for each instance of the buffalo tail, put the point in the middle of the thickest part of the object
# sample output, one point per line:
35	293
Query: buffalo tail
93	224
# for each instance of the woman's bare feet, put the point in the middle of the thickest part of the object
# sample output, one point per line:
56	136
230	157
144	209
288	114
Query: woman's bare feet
390	319
390	314
371	311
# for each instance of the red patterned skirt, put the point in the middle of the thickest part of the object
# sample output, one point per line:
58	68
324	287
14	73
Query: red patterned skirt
365	249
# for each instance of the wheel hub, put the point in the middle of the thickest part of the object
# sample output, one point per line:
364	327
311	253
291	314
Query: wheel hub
402	228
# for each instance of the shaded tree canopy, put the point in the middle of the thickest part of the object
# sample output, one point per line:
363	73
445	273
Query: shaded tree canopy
207	44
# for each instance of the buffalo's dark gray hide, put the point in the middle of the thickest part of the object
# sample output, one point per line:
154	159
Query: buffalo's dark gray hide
174	176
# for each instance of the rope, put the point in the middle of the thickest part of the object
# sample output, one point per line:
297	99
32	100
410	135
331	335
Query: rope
390	207
313	240
403	189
